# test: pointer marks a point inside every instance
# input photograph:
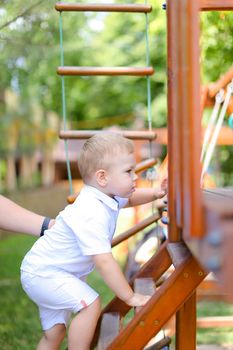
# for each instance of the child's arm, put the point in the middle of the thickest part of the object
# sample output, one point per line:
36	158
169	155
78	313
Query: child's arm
147	195
115	279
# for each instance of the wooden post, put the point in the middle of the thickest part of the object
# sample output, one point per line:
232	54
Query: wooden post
185	203
186	325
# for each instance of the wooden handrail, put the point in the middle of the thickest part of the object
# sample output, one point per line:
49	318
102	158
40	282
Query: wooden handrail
103	7
216	5
86	134
103	71
133	230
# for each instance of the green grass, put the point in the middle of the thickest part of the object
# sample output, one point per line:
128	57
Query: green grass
19	322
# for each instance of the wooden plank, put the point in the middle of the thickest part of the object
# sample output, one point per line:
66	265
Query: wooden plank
103	7
103	71
174	159
164	303
86	134
110	328
178	252
216	5
186	325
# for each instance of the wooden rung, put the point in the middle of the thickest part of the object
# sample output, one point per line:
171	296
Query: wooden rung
145	164
216	5
178	252
166	341
88	71
109	329
86	134
103	7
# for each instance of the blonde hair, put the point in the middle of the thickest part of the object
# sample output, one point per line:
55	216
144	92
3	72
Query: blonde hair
98	151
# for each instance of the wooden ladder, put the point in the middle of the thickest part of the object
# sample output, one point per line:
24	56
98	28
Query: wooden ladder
170	298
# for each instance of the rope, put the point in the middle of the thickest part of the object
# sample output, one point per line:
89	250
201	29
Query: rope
219	98
216	131
64	106
151	174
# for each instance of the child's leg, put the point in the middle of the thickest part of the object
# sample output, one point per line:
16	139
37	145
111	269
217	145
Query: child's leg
52	338
83	326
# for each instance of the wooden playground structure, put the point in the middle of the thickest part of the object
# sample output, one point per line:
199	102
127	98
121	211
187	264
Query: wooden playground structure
199	221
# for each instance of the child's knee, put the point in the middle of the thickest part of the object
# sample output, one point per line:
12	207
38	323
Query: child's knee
95	307
56	334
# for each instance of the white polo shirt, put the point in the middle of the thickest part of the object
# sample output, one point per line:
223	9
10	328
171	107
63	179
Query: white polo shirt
82	229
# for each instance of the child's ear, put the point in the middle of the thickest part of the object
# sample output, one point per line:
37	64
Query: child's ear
101	177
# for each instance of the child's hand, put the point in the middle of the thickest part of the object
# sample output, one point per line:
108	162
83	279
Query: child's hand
162	191
137	300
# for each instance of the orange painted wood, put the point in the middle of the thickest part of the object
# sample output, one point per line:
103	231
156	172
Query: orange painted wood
136	228
185	131
103	7
174	159
164	303
186	325
101	71
216	5
86	134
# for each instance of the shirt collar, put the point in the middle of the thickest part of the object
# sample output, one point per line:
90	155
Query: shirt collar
109	201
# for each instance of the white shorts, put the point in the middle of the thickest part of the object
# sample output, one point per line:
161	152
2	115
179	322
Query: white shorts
57	297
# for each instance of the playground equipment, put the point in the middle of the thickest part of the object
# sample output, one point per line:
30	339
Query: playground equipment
200	223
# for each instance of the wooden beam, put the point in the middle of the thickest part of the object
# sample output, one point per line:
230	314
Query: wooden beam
216	5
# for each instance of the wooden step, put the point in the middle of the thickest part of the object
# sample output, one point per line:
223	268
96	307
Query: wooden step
178	252
140	8
109	329
103	71
145	286
86	134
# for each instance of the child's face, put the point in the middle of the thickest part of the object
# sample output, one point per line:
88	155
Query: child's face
121	178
